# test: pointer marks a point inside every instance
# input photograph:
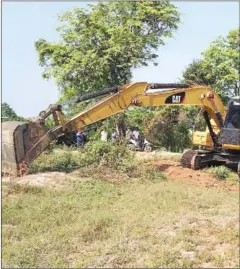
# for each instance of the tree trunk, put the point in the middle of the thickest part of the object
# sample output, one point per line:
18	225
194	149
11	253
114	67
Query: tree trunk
120	126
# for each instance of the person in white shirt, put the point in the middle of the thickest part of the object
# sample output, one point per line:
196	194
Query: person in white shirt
104	135
136	134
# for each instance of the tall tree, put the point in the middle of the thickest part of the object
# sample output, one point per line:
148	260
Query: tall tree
8	114
219	67
99	46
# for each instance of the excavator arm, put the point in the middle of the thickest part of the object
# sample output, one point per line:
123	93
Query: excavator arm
139	94
30	139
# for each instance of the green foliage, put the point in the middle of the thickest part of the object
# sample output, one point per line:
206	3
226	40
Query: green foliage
113	155
98	157
99	46
219	67
168	129
221	172
116	156
196	73
139	118
59	159
193	117
8	114
107	153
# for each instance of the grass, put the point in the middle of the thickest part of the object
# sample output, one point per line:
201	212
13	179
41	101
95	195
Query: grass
223	173
132	223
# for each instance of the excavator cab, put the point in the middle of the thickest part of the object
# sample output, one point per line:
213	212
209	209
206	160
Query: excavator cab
230	135
233	114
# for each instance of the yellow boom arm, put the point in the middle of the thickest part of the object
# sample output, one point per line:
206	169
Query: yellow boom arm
138	94
30	139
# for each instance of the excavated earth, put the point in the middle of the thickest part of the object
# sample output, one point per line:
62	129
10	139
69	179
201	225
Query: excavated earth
175	172
169	163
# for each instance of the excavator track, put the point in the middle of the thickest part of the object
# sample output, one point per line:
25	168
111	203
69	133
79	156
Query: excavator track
190	159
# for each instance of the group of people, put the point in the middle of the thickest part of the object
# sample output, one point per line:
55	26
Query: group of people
104	136
81	137
132	136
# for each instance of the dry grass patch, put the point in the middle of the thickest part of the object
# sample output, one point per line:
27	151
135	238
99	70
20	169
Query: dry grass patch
133	223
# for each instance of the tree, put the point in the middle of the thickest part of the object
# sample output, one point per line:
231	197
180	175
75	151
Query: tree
8	114
139	117
169	128
101	45
219	67
196	73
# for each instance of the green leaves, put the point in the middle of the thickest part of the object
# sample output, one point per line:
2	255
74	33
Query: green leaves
219	68
100	45
8	114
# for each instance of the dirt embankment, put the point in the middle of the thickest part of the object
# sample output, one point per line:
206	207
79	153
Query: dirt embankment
174	171
169	163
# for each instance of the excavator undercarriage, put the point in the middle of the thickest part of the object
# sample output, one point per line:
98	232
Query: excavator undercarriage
23	142
199	159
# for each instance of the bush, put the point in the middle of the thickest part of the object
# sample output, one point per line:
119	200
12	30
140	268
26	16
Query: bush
56	159
104	159
113	155
97	153
221	172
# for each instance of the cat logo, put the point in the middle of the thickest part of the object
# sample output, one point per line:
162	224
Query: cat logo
176	99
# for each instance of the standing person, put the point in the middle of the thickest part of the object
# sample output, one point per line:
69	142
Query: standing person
84	138
104	135
114	136
80	138
136	135
129	134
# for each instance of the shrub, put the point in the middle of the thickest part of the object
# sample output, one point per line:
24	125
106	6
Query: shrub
221	172
106	159
57	159
114	155
97	153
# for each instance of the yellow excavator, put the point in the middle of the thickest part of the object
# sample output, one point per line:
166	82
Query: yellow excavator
22	143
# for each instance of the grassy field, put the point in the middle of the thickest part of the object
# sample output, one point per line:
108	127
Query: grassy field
130	223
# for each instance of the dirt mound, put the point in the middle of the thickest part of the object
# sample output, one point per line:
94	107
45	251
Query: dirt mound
49	179
174	171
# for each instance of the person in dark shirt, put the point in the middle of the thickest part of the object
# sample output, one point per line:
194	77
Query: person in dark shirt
80	138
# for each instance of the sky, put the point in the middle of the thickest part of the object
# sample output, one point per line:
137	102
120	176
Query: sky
23	87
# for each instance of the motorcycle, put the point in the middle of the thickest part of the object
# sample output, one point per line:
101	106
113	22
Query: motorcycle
139	145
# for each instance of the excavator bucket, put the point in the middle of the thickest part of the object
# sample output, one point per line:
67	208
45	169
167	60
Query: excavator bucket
17	139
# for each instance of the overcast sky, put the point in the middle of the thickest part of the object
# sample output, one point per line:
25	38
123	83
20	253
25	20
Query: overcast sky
25	22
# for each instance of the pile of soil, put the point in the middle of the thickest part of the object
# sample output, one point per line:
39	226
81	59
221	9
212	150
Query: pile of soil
174	171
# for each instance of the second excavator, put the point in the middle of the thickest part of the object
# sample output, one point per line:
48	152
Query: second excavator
22	143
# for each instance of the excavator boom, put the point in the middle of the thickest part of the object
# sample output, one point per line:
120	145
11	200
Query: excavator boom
22	143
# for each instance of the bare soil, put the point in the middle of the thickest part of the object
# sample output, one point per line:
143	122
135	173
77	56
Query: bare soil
174	171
